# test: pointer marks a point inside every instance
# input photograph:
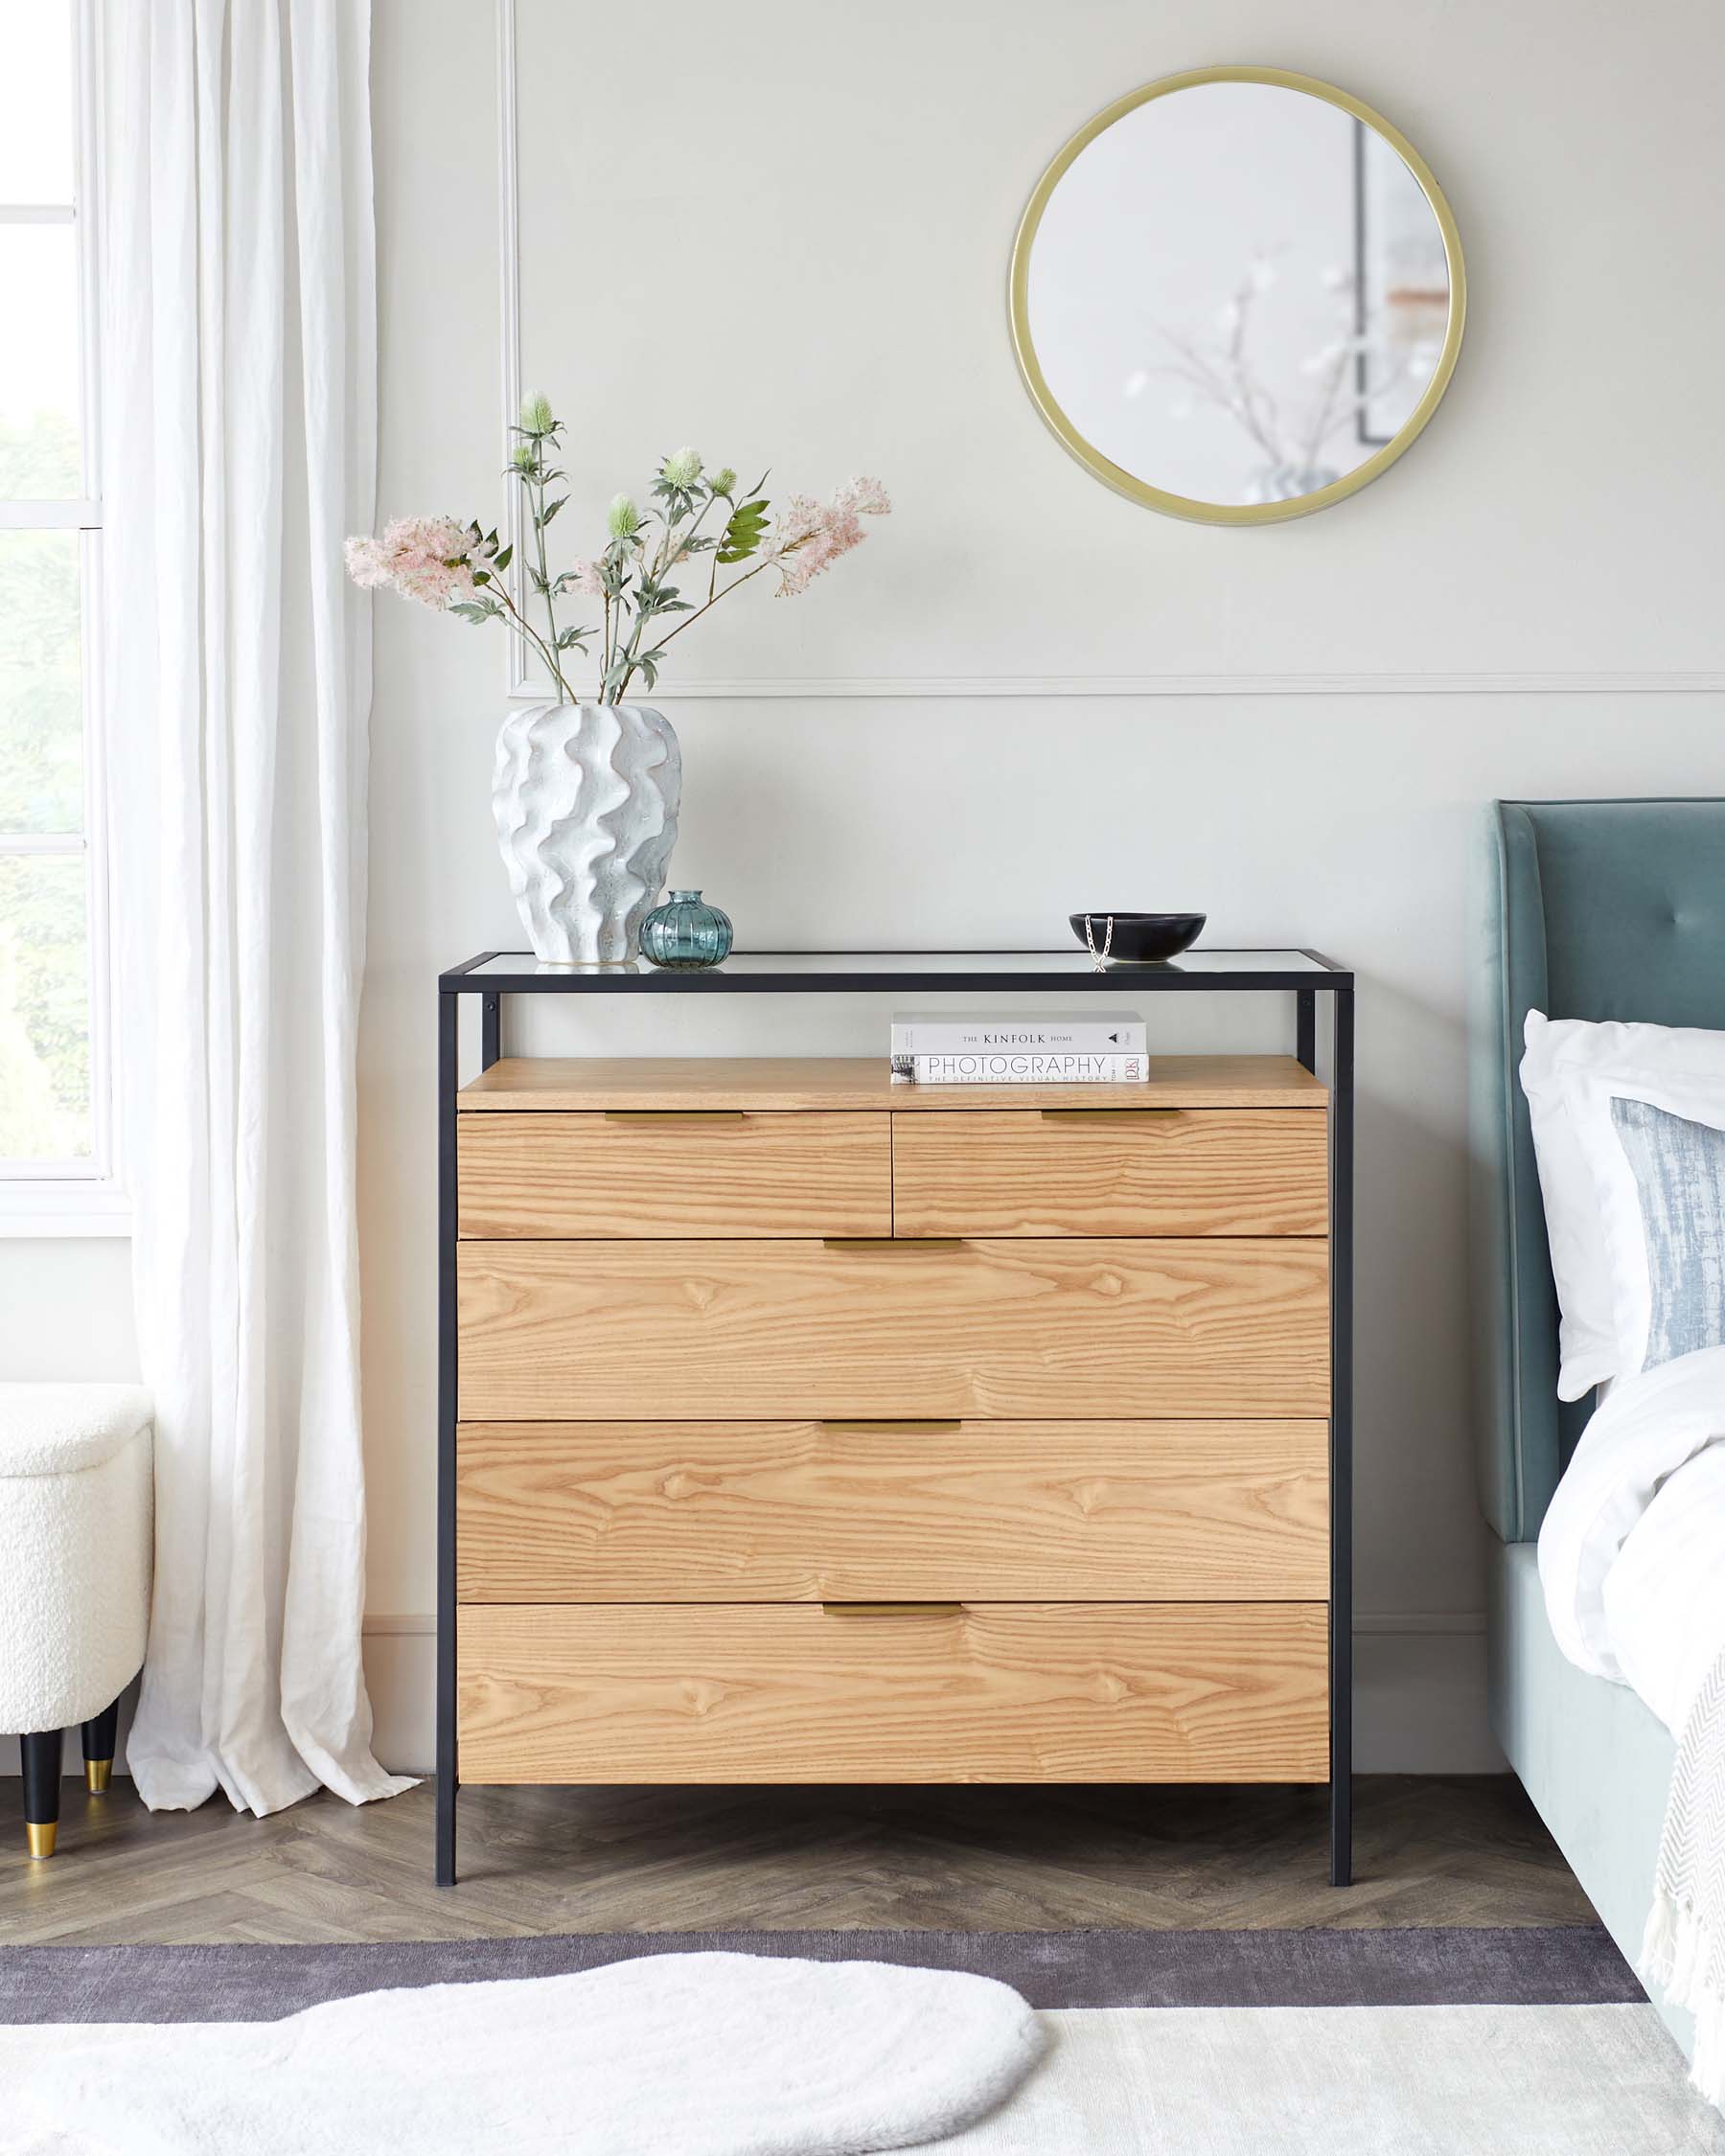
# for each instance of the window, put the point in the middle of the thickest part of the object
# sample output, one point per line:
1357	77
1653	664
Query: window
57	1167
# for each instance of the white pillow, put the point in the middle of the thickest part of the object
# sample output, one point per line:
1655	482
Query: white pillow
1571	1073
1587	1334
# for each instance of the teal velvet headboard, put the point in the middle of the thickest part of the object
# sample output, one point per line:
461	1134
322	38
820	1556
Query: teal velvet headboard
1597	910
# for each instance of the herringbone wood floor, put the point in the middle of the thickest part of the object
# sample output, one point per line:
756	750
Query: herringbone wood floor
1456	1850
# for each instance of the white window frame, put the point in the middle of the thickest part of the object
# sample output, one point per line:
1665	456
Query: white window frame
84	1197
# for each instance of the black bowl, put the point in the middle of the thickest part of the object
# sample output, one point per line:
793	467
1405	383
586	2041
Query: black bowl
1139	938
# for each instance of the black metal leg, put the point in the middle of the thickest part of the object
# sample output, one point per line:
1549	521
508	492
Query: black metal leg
41	1758
101	1735
1305	1027
491	1030
1341	1328
449	1045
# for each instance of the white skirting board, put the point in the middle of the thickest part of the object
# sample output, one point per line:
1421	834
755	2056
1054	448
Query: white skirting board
1419	1698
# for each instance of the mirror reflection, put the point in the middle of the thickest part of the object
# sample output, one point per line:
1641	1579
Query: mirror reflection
1236	295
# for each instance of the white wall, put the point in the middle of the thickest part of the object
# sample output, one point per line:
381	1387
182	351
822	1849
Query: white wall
781	233
1530	591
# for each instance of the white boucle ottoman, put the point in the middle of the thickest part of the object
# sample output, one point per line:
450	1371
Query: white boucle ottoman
76	1546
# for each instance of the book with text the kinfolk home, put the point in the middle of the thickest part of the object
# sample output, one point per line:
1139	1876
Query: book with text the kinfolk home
1095	1033
1024	1068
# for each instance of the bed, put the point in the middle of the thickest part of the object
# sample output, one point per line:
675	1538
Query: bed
1595	909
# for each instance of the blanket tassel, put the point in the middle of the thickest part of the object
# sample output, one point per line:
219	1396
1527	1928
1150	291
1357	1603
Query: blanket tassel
1679	1959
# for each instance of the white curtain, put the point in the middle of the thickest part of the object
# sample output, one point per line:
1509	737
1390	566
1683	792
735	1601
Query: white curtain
239	366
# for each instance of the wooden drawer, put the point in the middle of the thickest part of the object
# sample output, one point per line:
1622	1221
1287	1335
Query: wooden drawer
990	1512
1002	1693
1026	1329
683	1172
1149	1171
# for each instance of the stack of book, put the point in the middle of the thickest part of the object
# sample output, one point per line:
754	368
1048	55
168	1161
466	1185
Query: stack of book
1062	1048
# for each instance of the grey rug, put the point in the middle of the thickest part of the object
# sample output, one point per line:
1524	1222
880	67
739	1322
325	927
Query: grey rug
1335	2081
1533	1967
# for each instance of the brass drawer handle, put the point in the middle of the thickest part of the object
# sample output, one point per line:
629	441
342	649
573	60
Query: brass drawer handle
674	1116
1109	1115
892	1609
916	1424
893	1241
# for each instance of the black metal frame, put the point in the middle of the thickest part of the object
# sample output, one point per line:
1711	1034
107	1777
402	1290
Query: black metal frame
876	974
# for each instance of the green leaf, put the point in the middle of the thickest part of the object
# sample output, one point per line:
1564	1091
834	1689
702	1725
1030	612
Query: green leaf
551	510
503	560
744	531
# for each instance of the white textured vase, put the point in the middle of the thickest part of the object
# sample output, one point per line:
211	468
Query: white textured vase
586	797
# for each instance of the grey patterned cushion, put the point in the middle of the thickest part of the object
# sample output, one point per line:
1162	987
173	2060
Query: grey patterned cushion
1679	1169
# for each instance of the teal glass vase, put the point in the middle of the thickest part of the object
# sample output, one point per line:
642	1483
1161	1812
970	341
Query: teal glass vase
686	931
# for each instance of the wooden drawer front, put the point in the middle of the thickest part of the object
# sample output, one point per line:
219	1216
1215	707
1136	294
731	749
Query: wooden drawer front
600	1332
990	1512
1000	1692
1112	1172
702	1174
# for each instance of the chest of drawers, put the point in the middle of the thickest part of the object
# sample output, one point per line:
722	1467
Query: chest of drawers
810	1429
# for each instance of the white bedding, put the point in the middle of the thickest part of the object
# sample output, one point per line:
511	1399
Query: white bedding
1632	1560
1632	1552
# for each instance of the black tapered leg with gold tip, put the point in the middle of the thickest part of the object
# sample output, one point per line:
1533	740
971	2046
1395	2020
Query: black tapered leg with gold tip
100	1736
41	1756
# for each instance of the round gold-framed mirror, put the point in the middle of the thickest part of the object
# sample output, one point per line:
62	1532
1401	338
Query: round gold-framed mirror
1237	295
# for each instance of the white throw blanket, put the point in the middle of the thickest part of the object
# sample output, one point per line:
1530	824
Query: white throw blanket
1684	1950
1632	1560
674	2054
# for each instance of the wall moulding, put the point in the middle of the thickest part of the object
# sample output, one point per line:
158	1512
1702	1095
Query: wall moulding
1040	685
529	685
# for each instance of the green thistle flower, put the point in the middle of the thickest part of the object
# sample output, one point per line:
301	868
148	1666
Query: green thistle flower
724	482
682	468
622	520
537	416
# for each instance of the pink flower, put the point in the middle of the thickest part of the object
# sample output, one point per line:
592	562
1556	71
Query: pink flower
584	577
365	562
867	497
799	520
811	535
430	559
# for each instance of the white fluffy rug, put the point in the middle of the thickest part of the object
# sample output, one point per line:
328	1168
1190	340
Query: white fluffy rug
689	2055
737	2054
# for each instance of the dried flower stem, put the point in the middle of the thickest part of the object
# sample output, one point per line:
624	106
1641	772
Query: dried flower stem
525	628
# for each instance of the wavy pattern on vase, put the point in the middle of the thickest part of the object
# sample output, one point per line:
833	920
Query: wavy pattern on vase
585	798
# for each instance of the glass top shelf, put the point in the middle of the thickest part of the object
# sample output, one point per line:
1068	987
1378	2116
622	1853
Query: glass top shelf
519	972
